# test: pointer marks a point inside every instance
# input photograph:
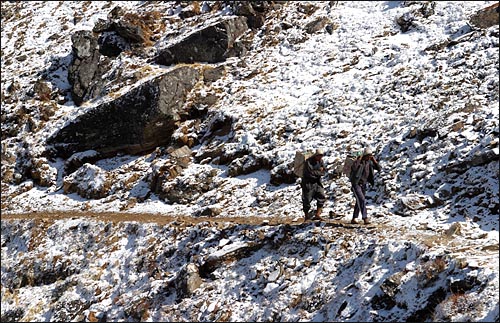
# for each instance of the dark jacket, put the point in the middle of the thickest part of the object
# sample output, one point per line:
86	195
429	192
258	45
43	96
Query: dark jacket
362	171
313	171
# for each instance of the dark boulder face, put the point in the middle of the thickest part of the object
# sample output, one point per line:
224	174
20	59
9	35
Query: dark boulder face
211	44
87	68
486	17
140	120
111	44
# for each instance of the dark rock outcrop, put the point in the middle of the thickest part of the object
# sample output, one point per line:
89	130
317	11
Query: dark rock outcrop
486	17
254	11
317	24
421	9
478	159
140	120
94	51
212	44
179	159
87	67
111	44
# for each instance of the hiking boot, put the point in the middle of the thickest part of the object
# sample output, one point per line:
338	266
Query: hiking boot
317	215
366	221
353	221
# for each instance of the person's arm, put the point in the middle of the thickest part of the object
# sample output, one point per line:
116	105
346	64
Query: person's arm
375	163
316	172
356	171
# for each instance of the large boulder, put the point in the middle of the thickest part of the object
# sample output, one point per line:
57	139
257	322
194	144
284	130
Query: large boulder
93	51
87	67
211	44
139	120
486	17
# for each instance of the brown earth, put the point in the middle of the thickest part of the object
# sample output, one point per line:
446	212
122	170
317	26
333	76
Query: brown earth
179	220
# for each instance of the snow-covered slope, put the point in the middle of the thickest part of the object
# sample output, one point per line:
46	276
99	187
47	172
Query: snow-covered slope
425	98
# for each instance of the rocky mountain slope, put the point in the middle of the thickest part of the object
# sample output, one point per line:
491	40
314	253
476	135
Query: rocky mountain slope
194	110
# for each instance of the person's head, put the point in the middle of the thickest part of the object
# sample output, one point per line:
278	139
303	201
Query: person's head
318	154
367	153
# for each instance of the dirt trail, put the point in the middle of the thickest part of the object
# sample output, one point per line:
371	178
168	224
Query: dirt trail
180	220
116	217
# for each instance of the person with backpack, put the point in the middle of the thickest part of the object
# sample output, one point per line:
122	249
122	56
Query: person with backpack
362	172
312	187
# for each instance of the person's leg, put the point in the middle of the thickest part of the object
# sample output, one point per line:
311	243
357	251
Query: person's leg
320	197
307	195
364	215
360	201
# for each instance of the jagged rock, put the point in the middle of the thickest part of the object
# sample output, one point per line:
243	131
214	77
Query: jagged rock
140	120
425	10
42	173
390	287
282	175
254	11
13	315
185	190
189	280
231	251
131	26
212	74
43	90
77	160
187	133
317	24
481	158
111	44
182	156
247	164
69	310
170	169
486	17
454	229
212	44
413	202
209	211
88	181
87	67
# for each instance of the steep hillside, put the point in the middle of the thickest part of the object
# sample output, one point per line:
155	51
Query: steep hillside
193	112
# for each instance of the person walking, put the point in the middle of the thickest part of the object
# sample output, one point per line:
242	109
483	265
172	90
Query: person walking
362	172
312	187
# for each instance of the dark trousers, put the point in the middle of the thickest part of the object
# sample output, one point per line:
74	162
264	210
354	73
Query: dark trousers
359	194
312	191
